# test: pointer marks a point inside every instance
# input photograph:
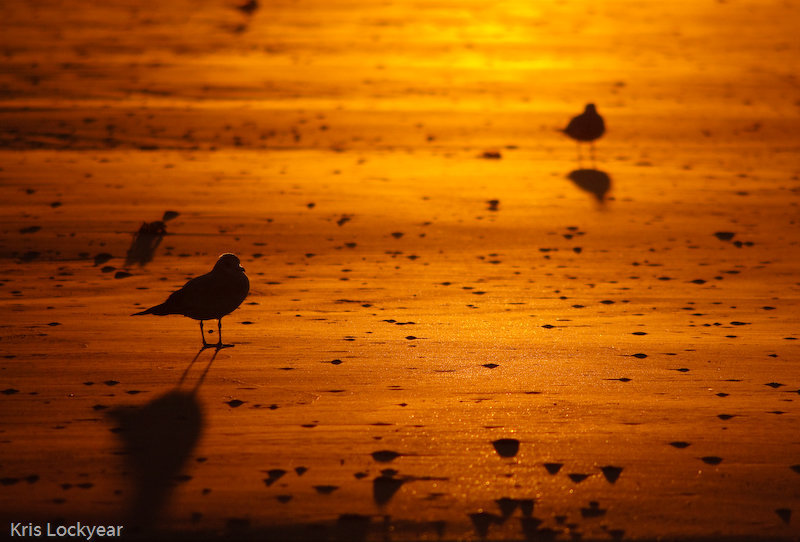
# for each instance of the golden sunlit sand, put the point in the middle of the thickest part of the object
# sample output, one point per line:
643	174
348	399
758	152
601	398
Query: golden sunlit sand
455	331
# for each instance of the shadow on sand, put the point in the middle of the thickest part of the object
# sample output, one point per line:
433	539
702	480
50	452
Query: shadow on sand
593	181
158	438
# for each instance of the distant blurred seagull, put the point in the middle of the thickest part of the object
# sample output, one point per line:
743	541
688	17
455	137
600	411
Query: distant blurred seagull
586	127
208	297
249	7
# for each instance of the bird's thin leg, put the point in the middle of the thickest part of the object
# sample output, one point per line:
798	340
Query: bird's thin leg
594	164
219	331
205	344
578	149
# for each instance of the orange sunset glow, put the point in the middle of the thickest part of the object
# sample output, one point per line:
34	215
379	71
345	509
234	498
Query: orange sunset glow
515	270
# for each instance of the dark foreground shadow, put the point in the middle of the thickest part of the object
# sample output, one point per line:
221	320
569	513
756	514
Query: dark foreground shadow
593	181
359	528
157	439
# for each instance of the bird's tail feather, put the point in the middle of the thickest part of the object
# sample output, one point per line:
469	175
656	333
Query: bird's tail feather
158	310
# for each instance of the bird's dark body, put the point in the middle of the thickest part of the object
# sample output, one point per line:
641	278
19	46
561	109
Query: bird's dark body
217	299
208	297
587	126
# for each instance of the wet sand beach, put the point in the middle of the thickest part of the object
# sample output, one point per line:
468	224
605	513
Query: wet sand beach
455	330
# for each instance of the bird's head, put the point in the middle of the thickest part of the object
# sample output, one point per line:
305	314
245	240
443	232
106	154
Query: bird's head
230	263
590	108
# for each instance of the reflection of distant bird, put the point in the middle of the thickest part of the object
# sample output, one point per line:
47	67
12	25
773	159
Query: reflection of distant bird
586	127
210	296
145	242
594	181
249	7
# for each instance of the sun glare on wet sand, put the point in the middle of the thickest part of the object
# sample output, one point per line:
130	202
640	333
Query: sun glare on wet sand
485	271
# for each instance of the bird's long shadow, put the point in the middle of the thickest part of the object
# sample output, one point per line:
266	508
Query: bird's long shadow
157	439
593	181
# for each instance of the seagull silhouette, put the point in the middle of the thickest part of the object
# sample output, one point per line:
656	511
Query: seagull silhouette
586	127
208	297
249	7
